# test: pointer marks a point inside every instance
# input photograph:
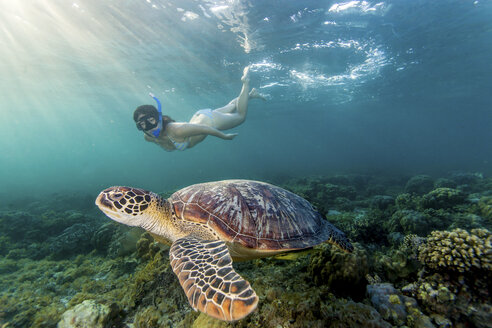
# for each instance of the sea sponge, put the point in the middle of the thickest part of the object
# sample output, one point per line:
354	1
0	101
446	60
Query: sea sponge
458	250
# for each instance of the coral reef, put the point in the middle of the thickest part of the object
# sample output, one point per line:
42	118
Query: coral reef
382	202
395	307
35	236
395	265
419	184
458	250
442	198
485	205
425	241
406	201
75	239
453	302
416	222
466	178
362	226
445	183
455	282
344	273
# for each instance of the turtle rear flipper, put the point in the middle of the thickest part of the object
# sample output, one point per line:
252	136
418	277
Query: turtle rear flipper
205	272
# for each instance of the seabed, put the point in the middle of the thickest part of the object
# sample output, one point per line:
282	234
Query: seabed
423	258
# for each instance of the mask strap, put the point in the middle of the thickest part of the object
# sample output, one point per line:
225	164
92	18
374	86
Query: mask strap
159	110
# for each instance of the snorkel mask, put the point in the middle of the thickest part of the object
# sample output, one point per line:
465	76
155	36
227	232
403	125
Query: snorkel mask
144	123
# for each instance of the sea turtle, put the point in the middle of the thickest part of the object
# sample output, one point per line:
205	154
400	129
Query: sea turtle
209	224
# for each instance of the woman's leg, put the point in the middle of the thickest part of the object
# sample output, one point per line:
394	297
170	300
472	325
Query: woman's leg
242	100
231	106
234	113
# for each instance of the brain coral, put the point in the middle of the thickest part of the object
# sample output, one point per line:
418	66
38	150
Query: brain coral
458	250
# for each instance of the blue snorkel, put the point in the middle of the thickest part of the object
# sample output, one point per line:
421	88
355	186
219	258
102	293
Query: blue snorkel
159	110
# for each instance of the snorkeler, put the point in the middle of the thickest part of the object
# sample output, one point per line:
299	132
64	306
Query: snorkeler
172	135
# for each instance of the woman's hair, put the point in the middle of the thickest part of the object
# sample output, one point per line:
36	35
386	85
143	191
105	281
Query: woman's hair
151	110
146	110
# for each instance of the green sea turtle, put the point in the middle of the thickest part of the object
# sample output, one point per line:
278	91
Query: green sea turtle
209	224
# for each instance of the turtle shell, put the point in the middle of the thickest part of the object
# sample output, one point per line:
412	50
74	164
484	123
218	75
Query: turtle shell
255	214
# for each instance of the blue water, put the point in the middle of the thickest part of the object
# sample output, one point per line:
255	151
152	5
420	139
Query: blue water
359	86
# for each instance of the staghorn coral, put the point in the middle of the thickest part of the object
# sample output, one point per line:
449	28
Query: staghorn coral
458	250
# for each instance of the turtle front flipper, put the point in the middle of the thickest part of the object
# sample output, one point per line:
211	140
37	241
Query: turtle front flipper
205	272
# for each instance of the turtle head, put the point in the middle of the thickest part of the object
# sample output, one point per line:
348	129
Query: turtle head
130	206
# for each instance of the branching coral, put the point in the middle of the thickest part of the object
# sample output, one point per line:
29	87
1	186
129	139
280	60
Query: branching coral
458	250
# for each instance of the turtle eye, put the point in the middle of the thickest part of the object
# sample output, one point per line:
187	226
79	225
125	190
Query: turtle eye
115	196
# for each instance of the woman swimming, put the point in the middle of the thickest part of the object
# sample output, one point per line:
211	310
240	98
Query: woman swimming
172	135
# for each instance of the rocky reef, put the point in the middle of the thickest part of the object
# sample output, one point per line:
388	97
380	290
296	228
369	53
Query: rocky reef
422	258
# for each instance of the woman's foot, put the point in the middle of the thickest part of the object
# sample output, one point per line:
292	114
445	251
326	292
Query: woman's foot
245	77
255	94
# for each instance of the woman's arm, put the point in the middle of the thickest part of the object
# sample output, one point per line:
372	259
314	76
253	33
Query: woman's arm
184	130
